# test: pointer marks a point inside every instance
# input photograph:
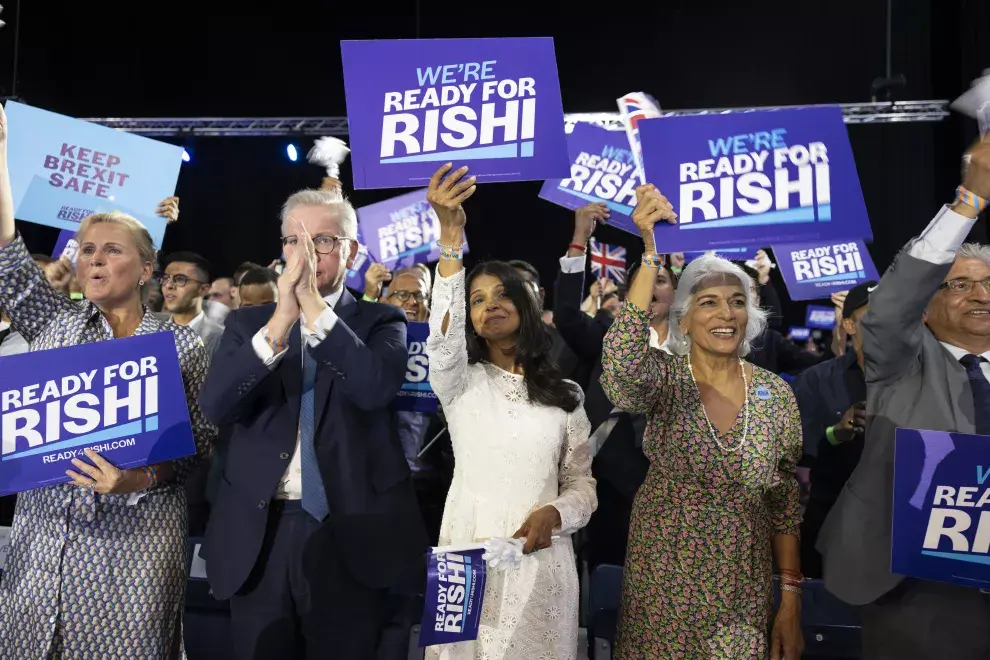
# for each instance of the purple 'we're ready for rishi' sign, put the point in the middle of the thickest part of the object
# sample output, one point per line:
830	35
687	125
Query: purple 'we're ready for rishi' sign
491	104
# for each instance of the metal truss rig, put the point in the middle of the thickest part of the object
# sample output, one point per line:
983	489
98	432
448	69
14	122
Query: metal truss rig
853	113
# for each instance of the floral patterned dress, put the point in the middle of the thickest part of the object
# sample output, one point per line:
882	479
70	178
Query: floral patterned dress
697	580
511	457
92	576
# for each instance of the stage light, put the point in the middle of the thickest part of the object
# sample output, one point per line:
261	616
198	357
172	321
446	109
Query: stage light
293	154
185	156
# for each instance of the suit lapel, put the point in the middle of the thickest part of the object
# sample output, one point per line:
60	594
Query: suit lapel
291	370
346	309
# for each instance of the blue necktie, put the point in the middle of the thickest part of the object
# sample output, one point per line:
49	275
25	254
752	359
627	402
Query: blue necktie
314	496
981	392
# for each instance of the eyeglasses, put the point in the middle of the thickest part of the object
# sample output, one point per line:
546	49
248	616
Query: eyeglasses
323	244
403	296
964	285
178	280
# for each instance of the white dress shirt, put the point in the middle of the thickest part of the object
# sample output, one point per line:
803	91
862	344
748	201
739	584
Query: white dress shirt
196	325
938	244
290	487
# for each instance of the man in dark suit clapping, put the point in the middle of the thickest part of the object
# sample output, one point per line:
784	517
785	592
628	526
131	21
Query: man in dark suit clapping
315	515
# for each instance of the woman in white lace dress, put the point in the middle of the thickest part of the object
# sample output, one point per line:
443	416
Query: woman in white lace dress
520	436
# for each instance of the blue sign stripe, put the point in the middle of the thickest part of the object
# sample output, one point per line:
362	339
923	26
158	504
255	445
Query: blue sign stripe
410	252
421	387
112	433
958	556
789	216
496	151
615	206
832	278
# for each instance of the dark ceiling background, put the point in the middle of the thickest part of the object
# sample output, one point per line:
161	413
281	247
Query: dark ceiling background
131	60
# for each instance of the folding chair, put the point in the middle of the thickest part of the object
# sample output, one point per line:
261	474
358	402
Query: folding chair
603	610
832	629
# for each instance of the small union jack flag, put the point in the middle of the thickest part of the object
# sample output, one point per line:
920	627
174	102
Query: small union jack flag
608	261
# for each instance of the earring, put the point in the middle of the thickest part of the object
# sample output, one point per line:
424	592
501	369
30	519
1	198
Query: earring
140	282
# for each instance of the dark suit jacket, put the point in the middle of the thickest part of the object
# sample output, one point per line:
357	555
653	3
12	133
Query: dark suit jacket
584	335
374	525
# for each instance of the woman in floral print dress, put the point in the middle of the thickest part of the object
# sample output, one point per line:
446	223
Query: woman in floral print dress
720	501
96	568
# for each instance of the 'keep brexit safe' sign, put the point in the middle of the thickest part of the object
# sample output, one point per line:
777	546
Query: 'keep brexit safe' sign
415	104
756	178
123	399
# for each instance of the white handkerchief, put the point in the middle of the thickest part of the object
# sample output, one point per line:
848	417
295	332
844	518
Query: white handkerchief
975	103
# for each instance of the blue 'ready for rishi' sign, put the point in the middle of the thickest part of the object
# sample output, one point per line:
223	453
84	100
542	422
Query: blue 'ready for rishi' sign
941	510
754	178
122	398
491	104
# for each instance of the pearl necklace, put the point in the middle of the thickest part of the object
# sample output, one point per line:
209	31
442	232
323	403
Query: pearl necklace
711	426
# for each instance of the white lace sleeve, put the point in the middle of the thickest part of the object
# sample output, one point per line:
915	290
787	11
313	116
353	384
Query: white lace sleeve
577	500
448	352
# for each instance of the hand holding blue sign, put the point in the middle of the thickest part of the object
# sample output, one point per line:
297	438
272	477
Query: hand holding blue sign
586	220
105	479
651	208
447	194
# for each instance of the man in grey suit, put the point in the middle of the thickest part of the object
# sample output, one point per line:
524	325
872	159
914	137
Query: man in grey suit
926	341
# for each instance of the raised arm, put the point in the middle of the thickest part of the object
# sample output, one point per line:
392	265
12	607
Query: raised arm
634	377
893	326
446	346
583	333
25	293
577	500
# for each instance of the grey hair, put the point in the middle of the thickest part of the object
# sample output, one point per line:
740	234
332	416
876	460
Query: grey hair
692	280
420	274
974	251
334	198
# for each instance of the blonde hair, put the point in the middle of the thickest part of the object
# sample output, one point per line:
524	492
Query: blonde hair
145	246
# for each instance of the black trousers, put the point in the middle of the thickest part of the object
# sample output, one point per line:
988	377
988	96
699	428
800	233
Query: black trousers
300	601
923	620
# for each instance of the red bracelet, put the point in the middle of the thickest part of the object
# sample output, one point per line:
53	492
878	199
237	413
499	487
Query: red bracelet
582	248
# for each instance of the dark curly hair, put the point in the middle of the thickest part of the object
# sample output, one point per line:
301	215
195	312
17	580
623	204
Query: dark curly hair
544	382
